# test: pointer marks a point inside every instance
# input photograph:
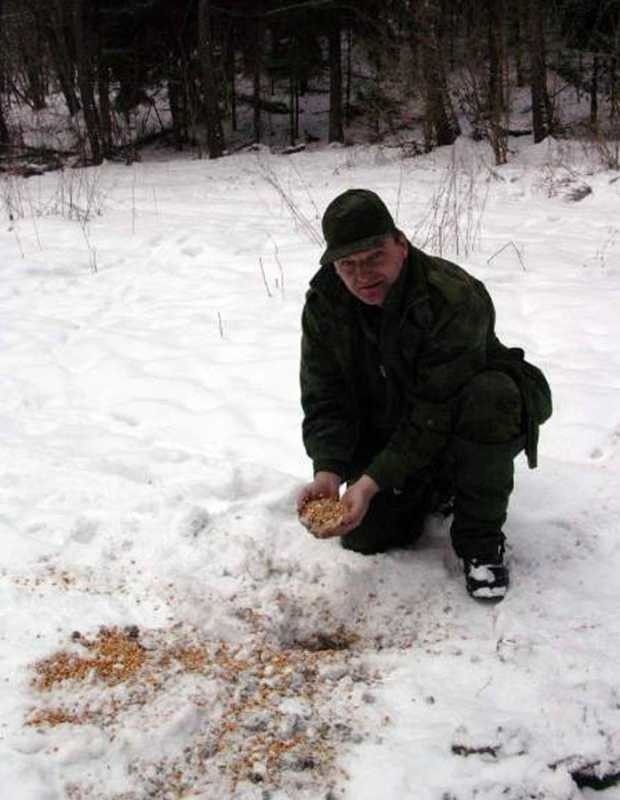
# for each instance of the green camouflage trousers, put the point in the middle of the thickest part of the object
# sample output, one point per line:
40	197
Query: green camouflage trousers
476	469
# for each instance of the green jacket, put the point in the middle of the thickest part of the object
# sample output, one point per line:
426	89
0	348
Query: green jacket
437	331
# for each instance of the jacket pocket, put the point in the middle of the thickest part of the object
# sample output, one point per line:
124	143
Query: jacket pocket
530	380
535	391
536	386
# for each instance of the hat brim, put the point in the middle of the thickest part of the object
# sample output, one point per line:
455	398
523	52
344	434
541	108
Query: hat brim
334	253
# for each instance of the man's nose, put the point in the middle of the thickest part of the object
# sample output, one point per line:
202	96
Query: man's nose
363	265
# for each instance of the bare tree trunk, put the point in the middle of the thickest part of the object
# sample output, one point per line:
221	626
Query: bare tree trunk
292	120
347	103
5	139
28	47
469	18
191	101
4	131
495	15
64	79
441	126
497	100
230	74
37	78
336	132
36	84
594	90
178	120
613	87
105	110
212	118
541	104
516	42
85	49
61	50
257	59
452	34
296	117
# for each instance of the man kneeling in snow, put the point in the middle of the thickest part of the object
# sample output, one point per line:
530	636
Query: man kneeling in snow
408	395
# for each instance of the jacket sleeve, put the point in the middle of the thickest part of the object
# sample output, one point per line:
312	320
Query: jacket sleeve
450	352
329	429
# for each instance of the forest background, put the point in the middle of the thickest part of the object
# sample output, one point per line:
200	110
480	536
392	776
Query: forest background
98	79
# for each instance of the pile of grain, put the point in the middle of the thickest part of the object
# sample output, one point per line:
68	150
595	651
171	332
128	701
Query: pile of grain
113	656
322	516
243	692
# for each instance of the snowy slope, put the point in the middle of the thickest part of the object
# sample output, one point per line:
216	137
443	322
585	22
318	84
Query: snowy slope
149	420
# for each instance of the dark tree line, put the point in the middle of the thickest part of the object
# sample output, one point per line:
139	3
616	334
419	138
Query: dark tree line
107	56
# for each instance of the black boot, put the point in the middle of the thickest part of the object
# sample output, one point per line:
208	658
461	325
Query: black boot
487	580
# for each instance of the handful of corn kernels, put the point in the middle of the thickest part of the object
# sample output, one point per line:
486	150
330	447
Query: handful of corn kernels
322	516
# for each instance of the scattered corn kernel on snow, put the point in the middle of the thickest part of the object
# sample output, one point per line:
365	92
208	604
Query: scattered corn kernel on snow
168	628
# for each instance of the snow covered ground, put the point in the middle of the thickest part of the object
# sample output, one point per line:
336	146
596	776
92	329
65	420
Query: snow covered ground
150	430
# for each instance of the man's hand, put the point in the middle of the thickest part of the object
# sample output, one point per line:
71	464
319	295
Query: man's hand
325	484
356	501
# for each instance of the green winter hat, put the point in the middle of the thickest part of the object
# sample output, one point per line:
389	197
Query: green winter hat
356	220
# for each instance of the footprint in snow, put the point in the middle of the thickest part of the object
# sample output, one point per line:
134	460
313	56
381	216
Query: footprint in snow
192	252
597	453
193	523
85	529
126	419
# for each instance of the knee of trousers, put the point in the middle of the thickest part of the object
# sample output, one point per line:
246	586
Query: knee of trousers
489	409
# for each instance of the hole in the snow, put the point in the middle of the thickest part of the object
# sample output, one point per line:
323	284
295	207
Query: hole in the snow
320	641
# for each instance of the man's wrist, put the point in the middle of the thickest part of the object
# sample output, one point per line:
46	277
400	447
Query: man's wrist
325	473
369	485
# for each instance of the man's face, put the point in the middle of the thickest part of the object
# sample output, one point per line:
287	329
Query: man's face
369	274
